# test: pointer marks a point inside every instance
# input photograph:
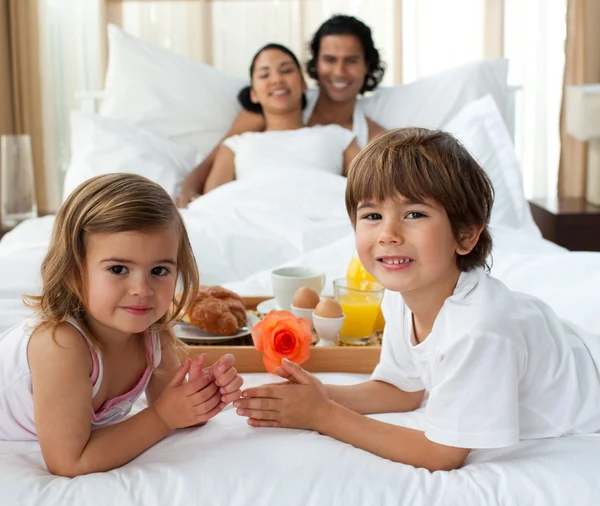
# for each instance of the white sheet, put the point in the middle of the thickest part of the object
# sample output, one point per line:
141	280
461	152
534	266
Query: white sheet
229	463
239	233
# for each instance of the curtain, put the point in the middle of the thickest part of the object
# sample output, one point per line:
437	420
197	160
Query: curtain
20	86
227	33
71	59
535	33
582	67
530	34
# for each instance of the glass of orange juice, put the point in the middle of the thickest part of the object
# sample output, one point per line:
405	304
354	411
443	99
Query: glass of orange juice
360	303
356	274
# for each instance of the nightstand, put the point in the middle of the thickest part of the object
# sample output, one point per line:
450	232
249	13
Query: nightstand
569	222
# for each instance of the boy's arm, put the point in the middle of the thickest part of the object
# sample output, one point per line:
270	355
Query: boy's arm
303	403
392	442
374	397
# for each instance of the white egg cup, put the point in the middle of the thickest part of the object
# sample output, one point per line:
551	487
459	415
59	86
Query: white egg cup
327	329
301	312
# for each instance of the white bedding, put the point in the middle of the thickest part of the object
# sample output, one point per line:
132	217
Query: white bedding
239	233
229	463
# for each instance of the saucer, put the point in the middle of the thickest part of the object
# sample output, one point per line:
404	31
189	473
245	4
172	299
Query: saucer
266	305
192	334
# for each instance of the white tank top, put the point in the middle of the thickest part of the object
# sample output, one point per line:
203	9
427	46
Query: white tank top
16	395
360	127
318	148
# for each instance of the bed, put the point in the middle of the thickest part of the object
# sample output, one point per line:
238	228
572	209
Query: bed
239	233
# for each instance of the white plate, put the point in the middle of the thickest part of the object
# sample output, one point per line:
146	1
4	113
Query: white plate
189	332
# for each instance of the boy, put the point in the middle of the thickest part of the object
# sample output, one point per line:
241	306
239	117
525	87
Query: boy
499	366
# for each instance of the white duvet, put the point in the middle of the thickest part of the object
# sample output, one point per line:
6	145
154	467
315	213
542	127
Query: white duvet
239	233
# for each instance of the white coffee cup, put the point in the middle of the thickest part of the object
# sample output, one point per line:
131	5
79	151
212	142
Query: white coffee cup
286	280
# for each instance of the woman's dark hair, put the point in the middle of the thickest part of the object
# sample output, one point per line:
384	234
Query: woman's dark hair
348	25
244	94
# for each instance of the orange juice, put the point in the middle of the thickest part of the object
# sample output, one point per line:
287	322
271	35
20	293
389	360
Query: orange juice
361	314
357	273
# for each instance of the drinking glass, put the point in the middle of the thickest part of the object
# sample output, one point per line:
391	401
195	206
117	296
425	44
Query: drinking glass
17	197
360	303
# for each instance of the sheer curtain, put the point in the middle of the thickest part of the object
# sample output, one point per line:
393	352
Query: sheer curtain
416	38
531	34
227	33
70	62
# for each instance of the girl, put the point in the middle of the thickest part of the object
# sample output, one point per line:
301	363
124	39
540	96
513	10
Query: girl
499	366
277	91
345	63
101	335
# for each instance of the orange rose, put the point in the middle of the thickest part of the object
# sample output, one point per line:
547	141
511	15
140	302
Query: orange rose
281	335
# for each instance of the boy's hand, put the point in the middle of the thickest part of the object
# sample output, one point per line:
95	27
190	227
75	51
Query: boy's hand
299	403
183	404
227	378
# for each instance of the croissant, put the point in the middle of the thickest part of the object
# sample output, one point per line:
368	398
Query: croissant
218	311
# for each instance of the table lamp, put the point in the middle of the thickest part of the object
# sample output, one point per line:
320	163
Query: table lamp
582	109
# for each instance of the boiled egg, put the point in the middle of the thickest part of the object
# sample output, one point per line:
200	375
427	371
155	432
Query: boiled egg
329	308
305	298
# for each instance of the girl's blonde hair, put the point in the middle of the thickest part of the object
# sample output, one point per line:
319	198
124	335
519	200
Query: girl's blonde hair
108	204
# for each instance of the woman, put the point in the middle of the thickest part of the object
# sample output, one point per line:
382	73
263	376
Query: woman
277	93
345	63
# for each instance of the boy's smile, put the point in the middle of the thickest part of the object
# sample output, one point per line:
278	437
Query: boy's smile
394	263
409	247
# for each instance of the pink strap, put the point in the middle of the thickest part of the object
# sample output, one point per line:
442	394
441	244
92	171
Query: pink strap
131	394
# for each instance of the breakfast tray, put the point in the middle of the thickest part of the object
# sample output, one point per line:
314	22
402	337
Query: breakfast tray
352	359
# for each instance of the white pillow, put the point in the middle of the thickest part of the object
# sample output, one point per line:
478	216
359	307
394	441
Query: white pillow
481	129
104	145
432	101
154	88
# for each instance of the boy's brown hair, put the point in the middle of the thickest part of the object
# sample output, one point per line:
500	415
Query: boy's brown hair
421	164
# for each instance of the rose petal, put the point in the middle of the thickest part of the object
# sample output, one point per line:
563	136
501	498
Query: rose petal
271	363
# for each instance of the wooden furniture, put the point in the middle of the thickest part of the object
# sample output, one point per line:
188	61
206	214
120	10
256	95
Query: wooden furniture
569	222
4	231
353	359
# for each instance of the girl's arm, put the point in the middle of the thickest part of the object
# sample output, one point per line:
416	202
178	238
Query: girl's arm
244	122
62	402
223	170
351	151
169	363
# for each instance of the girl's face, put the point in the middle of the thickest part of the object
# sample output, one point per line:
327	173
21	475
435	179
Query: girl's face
130	279
277	84
341	67
409	247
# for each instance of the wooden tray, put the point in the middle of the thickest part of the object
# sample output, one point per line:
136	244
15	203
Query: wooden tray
353	359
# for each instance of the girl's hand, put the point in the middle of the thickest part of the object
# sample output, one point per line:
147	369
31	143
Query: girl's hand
183	404
299	403
227	378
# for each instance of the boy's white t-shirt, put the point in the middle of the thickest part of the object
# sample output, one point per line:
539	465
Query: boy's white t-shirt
317	148
498	365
